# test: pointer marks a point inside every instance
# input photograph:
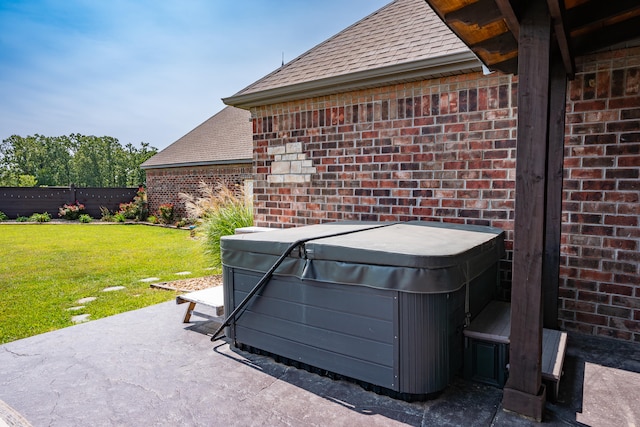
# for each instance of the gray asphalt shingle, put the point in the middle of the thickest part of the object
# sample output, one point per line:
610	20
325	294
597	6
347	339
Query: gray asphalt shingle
401	32
224	137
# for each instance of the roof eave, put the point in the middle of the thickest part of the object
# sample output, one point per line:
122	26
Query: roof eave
195	164
456	63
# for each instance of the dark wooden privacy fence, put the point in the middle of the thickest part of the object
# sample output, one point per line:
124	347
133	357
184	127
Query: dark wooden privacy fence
21	201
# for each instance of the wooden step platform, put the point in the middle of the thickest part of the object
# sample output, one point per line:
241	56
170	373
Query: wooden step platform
211	297
486	348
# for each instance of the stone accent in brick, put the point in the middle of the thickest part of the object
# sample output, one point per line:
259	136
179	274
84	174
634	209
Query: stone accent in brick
290	164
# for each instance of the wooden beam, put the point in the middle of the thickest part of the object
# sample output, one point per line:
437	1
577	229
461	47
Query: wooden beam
509	16
590	13
605	36
524	392
502	44
510	66
555	172
557	16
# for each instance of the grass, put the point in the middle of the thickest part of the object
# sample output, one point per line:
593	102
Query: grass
46	268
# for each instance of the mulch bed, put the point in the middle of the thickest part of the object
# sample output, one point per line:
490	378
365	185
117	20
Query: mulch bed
189	285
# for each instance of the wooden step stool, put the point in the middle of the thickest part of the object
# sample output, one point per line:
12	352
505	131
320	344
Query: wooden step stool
487	348
211	297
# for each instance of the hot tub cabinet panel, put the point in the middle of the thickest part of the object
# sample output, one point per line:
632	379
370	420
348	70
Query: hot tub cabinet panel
323	325
375	331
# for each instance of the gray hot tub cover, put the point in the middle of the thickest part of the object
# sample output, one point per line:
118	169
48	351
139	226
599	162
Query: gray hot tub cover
416	256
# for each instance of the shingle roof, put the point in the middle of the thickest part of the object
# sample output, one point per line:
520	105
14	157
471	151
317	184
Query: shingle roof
401	33
224	138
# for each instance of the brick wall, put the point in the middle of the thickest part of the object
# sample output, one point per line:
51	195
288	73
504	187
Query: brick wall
444	150
440	150
164	185
600	264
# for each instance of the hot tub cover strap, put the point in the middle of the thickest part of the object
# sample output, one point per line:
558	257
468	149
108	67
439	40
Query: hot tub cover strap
418	257
405	279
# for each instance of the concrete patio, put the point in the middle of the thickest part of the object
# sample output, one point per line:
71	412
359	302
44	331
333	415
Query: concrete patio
146	368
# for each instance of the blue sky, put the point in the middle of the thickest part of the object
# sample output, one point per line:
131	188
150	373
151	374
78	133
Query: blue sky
147	70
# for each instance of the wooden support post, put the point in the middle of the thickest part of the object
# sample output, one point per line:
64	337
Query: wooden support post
524	392
555	169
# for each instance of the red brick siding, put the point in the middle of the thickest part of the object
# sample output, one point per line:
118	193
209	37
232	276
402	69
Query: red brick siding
600	264
441	150
164	185
444	150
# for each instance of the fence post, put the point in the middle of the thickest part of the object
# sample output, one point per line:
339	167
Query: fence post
72	188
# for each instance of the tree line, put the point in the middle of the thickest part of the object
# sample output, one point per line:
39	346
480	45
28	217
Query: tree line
85	161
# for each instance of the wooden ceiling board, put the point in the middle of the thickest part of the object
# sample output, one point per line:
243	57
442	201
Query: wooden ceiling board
479	13
502	44
442	7
570	4
492	58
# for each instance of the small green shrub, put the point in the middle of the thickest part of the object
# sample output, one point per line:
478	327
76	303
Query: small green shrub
119	217
3	216
22	219
183	222
152	219
165	213
85	218
40	217
71	211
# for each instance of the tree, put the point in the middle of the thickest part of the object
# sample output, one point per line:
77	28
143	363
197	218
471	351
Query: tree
95	161
11	180
45	158
86	161
134	158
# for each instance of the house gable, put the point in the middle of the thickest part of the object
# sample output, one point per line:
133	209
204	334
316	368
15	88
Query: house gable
221	139
370	53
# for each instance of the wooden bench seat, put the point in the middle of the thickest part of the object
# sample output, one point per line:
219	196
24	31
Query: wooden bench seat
493	325
211	297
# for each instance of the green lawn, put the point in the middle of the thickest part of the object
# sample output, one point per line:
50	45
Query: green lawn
46	268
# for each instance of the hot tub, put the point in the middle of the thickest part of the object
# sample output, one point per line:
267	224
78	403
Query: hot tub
384	306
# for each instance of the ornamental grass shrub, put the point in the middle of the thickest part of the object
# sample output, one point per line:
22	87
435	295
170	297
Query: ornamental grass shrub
218	211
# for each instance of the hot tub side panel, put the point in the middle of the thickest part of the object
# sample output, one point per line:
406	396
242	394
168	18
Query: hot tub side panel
430	334
342	329
428	340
